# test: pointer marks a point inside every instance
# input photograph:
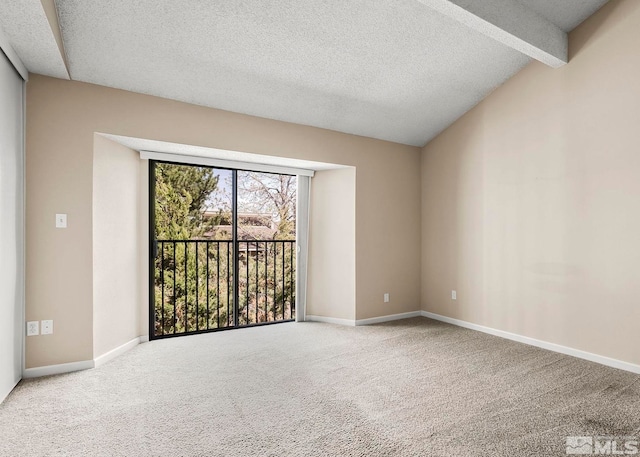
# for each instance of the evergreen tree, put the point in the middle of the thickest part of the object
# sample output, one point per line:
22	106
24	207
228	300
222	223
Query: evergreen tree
182	193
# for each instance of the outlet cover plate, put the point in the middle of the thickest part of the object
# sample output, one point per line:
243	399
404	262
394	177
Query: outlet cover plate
33	328
46	327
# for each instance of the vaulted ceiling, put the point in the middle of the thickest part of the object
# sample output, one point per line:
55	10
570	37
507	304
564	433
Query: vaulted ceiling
398	70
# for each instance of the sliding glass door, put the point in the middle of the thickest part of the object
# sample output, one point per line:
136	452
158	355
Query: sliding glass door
222	248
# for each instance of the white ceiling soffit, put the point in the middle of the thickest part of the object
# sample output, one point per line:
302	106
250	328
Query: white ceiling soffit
28	30
235	157
396	70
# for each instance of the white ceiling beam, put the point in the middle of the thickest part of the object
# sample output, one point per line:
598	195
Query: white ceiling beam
50	10
510	23
29	32
7	49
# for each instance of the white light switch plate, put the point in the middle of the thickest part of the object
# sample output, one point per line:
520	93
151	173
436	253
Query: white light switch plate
386	298
61	221
46	327
454	295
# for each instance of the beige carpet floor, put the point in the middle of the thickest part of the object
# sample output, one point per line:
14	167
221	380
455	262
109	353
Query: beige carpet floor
408	388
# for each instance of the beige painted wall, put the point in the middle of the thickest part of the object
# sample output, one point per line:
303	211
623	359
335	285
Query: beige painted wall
117	277
331	290
530	201
388	236
62	117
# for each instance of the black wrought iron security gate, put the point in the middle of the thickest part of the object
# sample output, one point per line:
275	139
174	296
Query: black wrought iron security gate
213	267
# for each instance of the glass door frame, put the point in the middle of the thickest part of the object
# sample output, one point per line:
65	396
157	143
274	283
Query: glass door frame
235	242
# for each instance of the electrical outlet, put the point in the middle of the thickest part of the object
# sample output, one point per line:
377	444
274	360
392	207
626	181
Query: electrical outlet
33	328
46	327
386	298
454	295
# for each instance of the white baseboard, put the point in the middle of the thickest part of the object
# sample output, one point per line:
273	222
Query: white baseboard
538	343
144	339
360	322
84	364
330	320
112	354
57	369
388	318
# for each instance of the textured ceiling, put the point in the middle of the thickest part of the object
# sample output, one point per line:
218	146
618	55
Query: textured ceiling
392	69
26	26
